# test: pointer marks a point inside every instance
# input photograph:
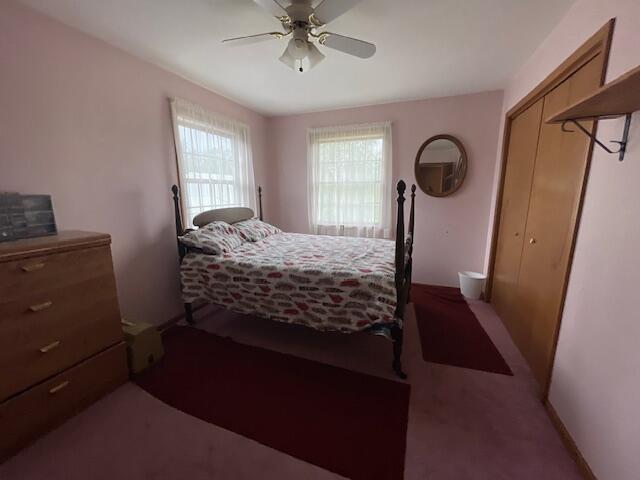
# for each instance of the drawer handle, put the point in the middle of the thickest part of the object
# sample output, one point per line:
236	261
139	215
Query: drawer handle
32	267
59	387
38	307
51	346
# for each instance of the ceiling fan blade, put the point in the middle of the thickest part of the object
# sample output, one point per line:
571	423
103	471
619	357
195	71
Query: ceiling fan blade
274	7
329	10
352	46
248	40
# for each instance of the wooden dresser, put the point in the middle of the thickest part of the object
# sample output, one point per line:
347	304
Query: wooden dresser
61	343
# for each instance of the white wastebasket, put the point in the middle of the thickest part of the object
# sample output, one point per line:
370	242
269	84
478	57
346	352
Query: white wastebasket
471	284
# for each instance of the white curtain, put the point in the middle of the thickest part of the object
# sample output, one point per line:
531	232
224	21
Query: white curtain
215	167
349	180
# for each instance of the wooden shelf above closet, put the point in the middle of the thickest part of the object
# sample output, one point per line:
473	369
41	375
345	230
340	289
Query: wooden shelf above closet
615	99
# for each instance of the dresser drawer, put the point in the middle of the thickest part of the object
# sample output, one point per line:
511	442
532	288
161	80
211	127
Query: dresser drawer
46	332
20	278
46	405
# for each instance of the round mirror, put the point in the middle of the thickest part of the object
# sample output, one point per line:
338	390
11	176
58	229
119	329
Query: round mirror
441	165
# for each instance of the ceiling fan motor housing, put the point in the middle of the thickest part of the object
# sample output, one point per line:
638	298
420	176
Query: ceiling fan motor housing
299	12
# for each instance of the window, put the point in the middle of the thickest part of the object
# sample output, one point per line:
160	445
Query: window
350	180
214	160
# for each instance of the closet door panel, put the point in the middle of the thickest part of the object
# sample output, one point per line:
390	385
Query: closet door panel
523	142
558	179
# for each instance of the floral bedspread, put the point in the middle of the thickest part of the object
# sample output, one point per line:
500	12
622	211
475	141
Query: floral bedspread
327	283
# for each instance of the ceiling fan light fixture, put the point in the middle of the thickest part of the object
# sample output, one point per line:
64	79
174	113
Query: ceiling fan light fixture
315	56
288	59
298	48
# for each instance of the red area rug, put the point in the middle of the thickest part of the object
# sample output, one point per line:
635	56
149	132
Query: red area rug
349	423
450	333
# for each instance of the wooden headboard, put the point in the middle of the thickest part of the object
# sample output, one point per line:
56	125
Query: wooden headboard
229	215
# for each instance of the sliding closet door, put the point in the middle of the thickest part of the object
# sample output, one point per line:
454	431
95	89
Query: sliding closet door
521	155
557	187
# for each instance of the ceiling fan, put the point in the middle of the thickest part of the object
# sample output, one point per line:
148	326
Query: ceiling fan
301	20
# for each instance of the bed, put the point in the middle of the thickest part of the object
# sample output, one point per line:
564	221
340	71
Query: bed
327	283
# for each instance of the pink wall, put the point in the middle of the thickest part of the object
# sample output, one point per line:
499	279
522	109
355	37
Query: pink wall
90	125
451	231
595	386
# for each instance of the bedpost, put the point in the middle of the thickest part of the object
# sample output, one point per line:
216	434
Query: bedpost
411	225
176	209
412	210
178	218
400	237
188	310
260	202
396	328
188	313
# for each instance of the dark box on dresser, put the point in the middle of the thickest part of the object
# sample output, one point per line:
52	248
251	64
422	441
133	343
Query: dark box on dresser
25	216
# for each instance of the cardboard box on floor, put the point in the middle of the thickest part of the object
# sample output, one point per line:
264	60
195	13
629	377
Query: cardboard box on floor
144	345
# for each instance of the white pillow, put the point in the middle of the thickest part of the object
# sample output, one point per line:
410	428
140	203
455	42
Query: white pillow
214	238
254	230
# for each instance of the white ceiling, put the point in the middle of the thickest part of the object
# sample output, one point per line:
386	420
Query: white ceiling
425	48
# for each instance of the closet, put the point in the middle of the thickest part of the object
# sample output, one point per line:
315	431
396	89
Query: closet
544	175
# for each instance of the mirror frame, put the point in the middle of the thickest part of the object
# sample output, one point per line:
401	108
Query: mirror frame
463	153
